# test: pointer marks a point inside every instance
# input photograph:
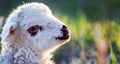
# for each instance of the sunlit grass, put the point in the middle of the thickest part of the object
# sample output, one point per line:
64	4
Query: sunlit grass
113	57
81	28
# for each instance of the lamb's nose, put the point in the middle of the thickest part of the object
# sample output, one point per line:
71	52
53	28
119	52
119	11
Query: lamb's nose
65	30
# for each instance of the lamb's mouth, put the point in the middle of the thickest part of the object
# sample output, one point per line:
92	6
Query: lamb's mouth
63	37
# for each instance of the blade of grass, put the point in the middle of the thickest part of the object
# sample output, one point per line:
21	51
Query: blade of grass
113	57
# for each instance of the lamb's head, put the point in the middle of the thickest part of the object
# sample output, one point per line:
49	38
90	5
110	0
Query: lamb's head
34	25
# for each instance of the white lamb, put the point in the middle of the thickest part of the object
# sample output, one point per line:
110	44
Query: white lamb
31	34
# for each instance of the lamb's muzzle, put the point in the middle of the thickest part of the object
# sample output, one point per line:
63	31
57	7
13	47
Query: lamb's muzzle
66	33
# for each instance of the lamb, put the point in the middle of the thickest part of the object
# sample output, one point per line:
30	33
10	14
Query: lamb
31	33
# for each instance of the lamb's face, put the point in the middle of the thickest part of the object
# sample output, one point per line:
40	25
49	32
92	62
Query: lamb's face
44	33
43	30
38	27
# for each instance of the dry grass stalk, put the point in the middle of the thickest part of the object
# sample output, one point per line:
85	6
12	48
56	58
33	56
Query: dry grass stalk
101	45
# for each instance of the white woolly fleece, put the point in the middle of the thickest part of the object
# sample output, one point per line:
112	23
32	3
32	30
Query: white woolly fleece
22	47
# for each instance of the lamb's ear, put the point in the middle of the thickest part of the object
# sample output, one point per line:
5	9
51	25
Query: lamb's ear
8	29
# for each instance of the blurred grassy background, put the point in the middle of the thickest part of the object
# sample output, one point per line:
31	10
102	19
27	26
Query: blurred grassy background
95	27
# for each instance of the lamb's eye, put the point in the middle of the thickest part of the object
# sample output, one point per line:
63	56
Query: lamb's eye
34	29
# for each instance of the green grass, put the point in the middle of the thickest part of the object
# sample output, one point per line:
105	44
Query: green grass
83	29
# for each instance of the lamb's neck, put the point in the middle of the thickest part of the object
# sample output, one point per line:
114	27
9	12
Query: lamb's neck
29	56
24	55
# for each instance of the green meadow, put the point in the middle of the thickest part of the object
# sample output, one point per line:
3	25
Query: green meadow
90	40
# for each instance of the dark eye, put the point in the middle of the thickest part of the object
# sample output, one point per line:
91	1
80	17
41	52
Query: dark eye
34	29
